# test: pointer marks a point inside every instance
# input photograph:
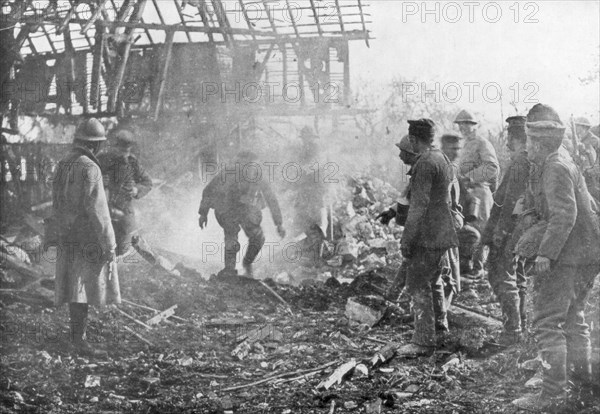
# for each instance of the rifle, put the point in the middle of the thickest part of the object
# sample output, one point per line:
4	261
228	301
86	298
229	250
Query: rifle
574	138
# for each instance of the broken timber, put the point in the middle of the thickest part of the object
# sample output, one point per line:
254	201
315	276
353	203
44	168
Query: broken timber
338	375
143	248
156	319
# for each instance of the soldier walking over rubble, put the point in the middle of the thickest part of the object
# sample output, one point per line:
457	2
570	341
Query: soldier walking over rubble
238	197
86	272
501	272
478	173
125	181
567	262
428	233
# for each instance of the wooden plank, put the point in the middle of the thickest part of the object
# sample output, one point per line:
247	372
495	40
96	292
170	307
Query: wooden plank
168	49
156	319
338	375
128	316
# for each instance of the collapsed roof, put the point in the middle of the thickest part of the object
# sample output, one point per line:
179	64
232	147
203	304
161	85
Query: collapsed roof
159	51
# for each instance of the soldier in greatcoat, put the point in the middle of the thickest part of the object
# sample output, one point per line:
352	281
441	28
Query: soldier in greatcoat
86	272
478	173
428	232
501	272
566	263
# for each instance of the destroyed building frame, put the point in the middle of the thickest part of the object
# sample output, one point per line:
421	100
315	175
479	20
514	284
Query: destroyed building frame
214	66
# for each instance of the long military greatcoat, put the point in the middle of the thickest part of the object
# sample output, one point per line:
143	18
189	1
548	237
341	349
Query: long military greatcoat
478	161
85	233
511	189
561	199
429	223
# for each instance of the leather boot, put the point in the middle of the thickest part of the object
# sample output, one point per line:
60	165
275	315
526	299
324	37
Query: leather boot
78	314
581	373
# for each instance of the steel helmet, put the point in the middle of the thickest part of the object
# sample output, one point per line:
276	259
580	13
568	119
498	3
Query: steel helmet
90	130
465	116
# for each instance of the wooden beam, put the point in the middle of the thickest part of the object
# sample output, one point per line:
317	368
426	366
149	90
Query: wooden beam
223	21
346	50
95	99
154	26
248	22
339	11
164	73
289	10
67	18
364	25
94	17
114	90
180	12
316	16
206	23
49	39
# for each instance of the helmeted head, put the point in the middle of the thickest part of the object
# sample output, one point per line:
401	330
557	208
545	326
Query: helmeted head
408	155
582	126
124	142
516	132
466	123
451	146
545	132
421	132
249	169
90	134
90	130
582	121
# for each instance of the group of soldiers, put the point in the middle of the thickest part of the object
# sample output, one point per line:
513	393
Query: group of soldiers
542	220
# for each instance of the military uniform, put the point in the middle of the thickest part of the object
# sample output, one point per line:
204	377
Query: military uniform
478	171
570	239
86	272
479	164
591	171
238	201
126	180
501	272
428	234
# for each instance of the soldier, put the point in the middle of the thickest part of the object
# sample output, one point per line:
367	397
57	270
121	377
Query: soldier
428	233
86	273
567	262
126	181
409	157
310	215
238	197
478	173
501	272
589	153
468	235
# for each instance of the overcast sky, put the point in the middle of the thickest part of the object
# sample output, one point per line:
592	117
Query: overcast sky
550	45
